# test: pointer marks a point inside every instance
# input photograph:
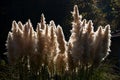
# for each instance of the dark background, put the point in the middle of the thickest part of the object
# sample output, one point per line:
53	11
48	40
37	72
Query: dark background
22	10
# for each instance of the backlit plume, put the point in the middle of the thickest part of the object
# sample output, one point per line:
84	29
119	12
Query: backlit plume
46	46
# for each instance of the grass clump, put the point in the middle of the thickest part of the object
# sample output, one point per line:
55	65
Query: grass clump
44	54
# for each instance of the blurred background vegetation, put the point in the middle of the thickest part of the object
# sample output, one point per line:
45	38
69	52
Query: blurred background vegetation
102	12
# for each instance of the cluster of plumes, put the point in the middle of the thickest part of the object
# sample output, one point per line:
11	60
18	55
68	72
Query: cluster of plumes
88	47
44	47
47	46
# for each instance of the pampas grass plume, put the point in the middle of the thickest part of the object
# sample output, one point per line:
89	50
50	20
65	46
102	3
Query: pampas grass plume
61	40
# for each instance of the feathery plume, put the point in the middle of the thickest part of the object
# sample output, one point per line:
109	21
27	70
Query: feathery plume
76	16
20	25
61	40
97	51
43	22
70	61
76	25
53	38
52	23
106	41
10	47
40	45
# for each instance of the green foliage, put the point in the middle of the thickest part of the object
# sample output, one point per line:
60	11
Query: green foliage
19	72
112	9
100	12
